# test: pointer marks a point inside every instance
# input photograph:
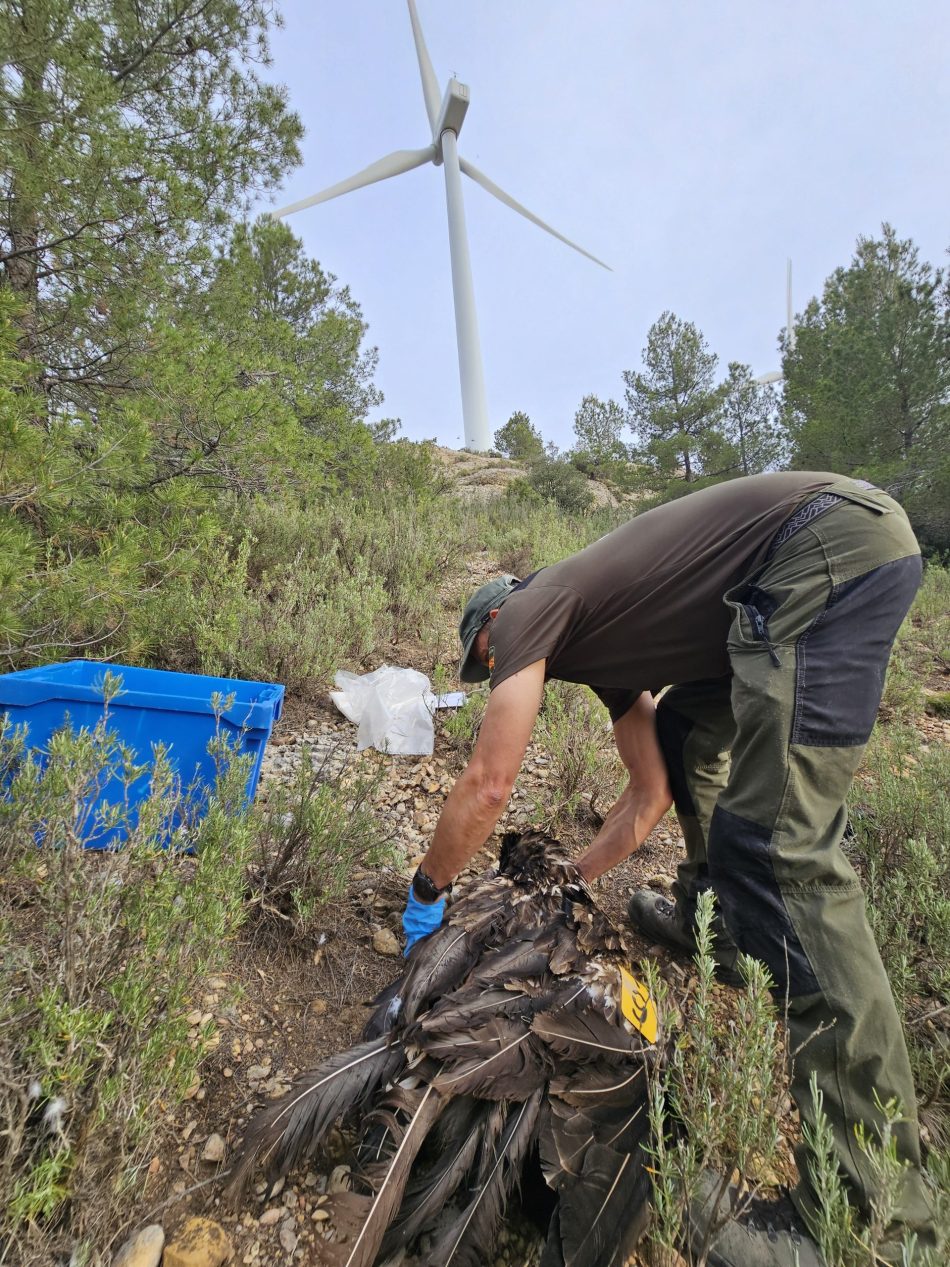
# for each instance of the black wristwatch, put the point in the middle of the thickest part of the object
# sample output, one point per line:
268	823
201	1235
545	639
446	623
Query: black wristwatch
425	889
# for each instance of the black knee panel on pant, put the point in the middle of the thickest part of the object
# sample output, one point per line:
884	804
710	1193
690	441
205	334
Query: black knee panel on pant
751	902
672	730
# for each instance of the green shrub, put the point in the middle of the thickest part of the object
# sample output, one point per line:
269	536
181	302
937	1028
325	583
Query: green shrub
574	733
922	647
846	1240
901	845
410	546
460	726
296	623
525	532
306	590
310	836
716	1103
558	481
104	954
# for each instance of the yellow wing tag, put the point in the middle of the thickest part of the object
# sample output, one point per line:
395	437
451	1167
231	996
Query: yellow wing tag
637	1006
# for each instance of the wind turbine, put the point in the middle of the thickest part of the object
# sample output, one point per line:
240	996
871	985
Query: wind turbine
775	376
445	120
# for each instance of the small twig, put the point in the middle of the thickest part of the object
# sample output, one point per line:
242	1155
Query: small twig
928	1016
178	1196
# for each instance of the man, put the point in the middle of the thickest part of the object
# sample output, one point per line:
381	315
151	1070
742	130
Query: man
770	604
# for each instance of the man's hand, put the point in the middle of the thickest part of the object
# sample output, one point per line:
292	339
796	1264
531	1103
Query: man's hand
420	919
646	797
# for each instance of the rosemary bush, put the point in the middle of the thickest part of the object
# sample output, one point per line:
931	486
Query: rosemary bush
103	956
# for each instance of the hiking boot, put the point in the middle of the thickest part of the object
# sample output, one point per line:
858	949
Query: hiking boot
657	918
748	1233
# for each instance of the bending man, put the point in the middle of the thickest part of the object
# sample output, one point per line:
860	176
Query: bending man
770	604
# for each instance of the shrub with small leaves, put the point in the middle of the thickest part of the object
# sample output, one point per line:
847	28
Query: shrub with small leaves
310	836
104	953
575	735
716	1102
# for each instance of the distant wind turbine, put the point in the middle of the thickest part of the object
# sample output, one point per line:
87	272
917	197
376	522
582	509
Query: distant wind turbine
775	376
445	119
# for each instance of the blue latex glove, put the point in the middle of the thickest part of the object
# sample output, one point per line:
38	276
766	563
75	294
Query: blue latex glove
420	918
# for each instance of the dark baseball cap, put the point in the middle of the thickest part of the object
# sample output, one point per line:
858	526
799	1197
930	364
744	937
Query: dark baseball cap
477	610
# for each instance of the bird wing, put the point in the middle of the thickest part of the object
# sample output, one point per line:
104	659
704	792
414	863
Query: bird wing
292	1128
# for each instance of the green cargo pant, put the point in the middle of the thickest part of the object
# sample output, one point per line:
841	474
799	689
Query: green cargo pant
760	765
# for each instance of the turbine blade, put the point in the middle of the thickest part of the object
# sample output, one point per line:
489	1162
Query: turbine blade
497	192
773	376
790	338
430	85
392	165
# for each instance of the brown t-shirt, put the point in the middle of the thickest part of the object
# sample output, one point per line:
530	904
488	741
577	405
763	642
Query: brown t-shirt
643	607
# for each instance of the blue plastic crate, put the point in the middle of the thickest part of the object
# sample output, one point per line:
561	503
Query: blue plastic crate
153	707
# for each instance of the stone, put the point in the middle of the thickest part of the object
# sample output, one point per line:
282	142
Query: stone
288	1236
339	1179
271	1216
214	1149
385	943
256	1073
661	881
142	1249
200	1243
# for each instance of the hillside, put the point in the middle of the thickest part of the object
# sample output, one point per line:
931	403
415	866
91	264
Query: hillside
294	988
480	477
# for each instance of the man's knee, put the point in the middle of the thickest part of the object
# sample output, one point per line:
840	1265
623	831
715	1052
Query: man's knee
751	902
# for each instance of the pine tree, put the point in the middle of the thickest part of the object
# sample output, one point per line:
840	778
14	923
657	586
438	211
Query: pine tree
674	404
132	130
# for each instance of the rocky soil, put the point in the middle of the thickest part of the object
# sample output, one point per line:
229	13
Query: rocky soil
286	1006
480	477
288	1002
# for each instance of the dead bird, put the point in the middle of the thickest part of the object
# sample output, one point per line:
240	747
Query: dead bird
515	1037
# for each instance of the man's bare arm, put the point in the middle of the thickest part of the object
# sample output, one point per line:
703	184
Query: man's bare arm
646	797
481	792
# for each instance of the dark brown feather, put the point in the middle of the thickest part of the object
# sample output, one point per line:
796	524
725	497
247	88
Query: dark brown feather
463	1243
291	1129
502	1040
389	1194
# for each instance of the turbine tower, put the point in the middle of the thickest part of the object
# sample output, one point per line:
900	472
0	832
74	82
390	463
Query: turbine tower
775	376
445	120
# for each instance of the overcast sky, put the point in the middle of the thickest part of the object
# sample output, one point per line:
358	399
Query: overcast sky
693	145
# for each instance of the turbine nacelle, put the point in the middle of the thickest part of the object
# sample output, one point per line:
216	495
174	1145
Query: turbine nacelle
451	113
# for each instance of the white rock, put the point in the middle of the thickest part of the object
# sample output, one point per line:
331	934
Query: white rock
214	1149
385	943
143	1249
339	1179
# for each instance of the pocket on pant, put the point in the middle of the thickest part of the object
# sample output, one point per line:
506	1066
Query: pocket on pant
752	607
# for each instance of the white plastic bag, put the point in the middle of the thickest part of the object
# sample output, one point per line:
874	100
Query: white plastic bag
392	707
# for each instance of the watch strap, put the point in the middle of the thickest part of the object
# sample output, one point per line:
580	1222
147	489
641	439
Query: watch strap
425	889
